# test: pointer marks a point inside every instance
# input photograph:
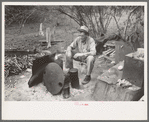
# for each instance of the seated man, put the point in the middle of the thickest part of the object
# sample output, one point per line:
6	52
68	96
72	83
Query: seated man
82	49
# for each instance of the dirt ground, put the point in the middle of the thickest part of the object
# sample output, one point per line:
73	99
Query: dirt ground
16	87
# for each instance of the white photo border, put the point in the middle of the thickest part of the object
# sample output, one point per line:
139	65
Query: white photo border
44	110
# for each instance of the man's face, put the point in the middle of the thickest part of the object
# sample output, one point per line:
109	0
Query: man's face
83	36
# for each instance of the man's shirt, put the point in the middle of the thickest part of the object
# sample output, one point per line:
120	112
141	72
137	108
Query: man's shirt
84	47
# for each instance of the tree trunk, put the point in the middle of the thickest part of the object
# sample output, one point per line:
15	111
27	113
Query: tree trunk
117	25
125	30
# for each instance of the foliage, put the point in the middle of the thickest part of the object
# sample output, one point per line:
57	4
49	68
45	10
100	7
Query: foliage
98	18
28	14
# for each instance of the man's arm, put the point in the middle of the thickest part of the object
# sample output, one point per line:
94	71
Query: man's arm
69	48
92	49
88	53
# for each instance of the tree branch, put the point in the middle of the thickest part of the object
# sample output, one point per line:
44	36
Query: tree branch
60	10
128	21
96	23
100	18
108	22
117	24
29	16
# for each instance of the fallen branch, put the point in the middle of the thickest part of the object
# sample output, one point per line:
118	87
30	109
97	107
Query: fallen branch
109	58
106	53
17	65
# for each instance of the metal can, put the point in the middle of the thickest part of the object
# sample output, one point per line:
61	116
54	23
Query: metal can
74	78
66	92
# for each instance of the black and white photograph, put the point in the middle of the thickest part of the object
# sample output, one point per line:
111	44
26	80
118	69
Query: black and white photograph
81	56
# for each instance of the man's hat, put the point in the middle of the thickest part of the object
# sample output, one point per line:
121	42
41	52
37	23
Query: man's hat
84	29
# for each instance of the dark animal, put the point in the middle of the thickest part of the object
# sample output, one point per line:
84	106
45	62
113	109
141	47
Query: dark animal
36	78
38	68
100	44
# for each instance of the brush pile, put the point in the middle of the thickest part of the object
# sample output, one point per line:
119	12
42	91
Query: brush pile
17	64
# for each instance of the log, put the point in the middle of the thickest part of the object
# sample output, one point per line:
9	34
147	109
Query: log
43	41
112	53
101	56
109	58
13	52
56	41
106	53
